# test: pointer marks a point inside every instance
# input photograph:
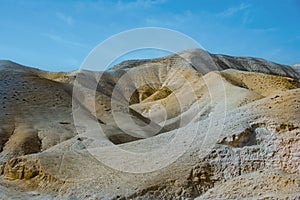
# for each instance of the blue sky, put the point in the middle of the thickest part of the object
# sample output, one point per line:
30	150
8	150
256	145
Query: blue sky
58	35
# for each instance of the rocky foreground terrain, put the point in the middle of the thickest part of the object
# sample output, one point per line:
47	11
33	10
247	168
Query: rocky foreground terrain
218	127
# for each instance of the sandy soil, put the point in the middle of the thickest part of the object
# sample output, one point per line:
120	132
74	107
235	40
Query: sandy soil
212	132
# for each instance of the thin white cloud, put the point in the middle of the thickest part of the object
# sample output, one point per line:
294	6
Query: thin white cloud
264	30
294	39
233	10
138	4
247	18
170	19
59	39
65	18
71	62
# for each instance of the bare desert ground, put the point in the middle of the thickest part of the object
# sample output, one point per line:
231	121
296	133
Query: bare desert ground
177	127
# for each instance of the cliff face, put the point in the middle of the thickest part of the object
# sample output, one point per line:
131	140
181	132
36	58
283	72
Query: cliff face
188	126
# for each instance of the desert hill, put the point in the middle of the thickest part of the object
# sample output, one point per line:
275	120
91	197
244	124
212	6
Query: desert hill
206	124
297	67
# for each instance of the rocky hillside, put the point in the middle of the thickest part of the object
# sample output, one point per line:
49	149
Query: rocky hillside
190	125
297	67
